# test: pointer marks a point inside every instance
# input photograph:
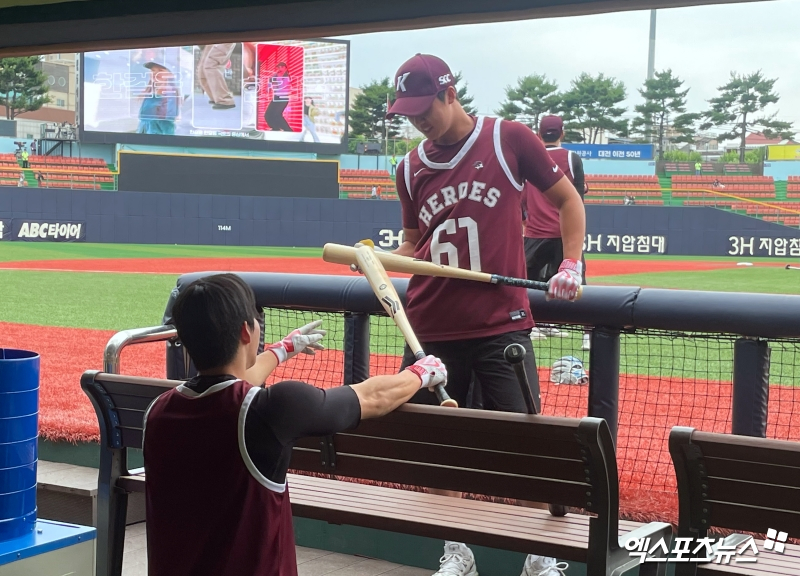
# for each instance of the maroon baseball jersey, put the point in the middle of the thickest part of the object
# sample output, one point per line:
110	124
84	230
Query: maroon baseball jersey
543	220
465	200
209	510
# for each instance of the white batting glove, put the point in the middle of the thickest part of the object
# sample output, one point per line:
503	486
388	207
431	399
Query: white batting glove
431	371
305	340
566	283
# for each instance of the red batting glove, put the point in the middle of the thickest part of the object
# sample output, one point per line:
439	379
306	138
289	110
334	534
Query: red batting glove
565	284
431	371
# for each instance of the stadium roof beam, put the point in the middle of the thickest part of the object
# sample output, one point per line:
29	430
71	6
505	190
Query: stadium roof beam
48	26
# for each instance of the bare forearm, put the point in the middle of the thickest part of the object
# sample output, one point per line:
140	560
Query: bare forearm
257	374
573	226
382	394
405	249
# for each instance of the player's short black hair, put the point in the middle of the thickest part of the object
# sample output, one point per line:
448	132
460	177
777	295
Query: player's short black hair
550	137
282	64
208	315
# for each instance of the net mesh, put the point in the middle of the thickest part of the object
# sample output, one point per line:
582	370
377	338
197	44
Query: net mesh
666	379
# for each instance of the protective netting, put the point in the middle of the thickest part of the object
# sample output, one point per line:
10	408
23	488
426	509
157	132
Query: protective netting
666	379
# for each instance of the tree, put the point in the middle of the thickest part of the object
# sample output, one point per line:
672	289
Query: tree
663	116
463	96
533	97
590	107
368	114
734	110
23	87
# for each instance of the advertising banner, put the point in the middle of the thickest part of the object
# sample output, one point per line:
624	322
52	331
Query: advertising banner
612	151
42	231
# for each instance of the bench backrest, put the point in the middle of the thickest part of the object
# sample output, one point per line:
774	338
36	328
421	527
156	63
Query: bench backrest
545	459
120	402
492	453
736	482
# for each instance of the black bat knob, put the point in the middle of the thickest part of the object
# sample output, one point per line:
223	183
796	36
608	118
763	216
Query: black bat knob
514	353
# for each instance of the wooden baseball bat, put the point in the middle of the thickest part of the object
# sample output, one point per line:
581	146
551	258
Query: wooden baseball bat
389	299
340	254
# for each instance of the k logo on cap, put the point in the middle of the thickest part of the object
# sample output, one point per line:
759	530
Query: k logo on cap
401	82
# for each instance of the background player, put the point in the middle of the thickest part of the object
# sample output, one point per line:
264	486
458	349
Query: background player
216	448
544	250
460	192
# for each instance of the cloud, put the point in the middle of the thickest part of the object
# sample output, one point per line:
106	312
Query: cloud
701	44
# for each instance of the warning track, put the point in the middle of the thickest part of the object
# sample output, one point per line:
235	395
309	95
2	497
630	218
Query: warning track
318	266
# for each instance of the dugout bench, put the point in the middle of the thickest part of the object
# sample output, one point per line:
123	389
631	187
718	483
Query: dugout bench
737	483
560	461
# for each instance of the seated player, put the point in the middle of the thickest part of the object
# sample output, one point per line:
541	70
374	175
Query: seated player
217	448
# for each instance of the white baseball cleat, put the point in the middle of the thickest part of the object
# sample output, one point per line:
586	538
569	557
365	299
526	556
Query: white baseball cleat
537	334
457	561
553	332
587	342
543	566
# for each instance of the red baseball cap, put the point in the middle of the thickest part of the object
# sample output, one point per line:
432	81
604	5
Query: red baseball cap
417	83
551	125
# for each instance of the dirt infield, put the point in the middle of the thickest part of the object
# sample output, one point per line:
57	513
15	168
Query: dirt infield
649	405
318	266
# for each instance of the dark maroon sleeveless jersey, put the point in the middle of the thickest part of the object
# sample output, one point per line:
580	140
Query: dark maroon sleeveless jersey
209	510
468	209
543	220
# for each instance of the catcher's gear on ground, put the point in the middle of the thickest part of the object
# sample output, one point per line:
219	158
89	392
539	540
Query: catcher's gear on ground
569	370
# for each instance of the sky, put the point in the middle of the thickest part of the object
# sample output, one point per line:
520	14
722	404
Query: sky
701	44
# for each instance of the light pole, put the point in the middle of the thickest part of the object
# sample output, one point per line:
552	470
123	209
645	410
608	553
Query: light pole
651	56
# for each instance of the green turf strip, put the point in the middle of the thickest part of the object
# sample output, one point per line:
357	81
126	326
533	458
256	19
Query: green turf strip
85	300
27	251
740	279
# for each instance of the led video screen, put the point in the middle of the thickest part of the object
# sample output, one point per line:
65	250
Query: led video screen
288	95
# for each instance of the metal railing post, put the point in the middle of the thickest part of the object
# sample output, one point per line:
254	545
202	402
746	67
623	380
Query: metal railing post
122	340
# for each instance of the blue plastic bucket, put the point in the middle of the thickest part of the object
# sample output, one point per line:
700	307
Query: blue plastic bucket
19	428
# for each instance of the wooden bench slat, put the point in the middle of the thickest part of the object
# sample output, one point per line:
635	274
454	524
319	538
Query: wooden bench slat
747	449
131	437
458	531
752	519
508	462
434	505
752	471
357	490
130	418
125	401
470	439
110	381
448	478
761	494
479	421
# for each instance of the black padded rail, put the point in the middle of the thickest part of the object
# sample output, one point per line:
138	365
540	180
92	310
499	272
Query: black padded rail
624	307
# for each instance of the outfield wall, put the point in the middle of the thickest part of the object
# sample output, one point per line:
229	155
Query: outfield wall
211	219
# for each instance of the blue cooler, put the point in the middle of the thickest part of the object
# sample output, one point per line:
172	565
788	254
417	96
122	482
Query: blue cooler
19	419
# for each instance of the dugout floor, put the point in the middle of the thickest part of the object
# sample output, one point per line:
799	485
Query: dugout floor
310	562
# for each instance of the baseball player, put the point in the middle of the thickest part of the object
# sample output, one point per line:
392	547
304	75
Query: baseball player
544	250
460	192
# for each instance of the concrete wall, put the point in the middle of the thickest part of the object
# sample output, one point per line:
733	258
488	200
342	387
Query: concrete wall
209	219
